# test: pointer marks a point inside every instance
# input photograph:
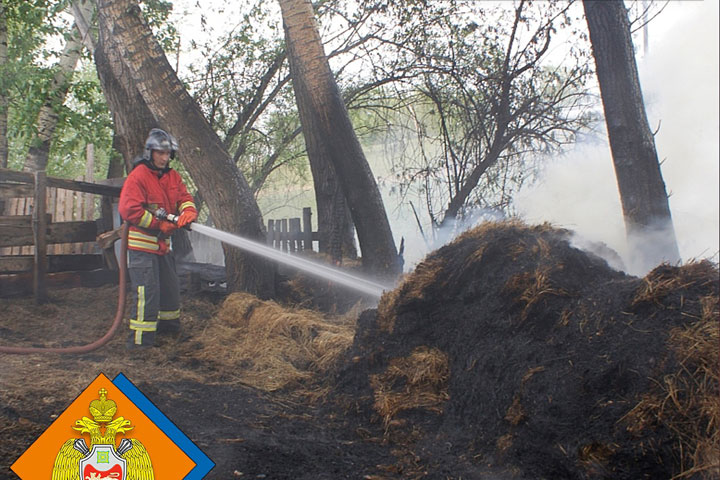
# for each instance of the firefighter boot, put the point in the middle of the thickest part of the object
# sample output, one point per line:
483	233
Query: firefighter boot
141	336
169	327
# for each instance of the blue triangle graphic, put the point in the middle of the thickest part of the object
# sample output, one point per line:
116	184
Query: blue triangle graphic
203	464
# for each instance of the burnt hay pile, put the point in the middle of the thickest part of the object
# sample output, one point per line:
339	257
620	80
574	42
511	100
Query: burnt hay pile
511	348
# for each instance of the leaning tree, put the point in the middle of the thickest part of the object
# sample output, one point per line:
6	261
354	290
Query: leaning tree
145	71
3	88
478	102
648	222
329	133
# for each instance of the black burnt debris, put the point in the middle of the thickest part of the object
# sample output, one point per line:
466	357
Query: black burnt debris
507	354
511	348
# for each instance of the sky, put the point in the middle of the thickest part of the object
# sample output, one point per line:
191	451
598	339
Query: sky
578	190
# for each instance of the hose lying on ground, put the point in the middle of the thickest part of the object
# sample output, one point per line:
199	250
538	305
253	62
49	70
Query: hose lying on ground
122	264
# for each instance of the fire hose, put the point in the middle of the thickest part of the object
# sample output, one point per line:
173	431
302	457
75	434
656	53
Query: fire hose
122	287
366	286
122	292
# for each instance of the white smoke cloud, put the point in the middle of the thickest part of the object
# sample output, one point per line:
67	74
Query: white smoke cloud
680	74
679	78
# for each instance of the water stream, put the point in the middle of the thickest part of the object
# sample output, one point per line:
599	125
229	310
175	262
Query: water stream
317	269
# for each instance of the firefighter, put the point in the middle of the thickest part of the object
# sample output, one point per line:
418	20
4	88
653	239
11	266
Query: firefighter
152	190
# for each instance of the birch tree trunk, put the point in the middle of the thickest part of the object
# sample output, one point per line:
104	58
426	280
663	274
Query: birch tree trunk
325	120
648	222
3	88
125	143
223	186
47	119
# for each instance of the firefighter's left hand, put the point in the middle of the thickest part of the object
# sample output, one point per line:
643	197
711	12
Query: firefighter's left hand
187	216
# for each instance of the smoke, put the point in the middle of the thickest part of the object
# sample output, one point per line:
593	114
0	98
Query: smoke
679	78
417	245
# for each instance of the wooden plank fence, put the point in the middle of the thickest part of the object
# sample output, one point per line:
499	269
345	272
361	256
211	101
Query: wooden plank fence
290	235
48	225
61	206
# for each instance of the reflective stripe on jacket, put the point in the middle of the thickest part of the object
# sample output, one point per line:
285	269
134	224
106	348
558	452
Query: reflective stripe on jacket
144	191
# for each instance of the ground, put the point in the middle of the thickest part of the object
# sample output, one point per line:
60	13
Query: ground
505	355
246	431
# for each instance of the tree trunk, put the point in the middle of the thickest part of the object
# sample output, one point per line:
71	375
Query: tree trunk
47	119
648	221
347	234
333	214
82	11
3	88
334	220
463	193
131	116
326	121
201	151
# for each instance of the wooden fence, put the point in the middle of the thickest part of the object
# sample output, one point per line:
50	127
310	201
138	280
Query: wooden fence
62	206
290	235
49	225
62	236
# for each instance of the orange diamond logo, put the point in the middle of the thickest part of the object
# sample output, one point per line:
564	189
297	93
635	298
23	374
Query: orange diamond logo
111	430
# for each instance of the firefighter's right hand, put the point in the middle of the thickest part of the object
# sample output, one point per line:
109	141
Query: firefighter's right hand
167	228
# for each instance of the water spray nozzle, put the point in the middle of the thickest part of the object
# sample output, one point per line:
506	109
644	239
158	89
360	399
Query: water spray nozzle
162	214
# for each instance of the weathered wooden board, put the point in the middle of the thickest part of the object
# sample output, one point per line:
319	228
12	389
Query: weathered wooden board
39	227
12	190
25	177
56	263
20	220
22	284
60	232
51	206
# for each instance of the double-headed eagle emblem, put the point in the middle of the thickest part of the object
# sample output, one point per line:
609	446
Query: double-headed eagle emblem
102	460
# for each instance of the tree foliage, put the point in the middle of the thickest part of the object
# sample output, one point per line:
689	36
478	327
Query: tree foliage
466	94
37	32
462	95
477	100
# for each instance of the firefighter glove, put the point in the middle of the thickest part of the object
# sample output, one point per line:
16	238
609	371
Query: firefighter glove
167	228
187	216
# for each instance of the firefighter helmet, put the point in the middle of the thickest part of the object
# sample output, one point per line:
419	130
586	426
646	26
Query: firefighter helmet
159	140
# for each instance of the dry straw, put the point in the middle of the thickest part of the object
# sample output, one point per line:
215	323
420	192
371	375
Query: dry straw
415	286
666	279
266	346
416	381
686	401
532	287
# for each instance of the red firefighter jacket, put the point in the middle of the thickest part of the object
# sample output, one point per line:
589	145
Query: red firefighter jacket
144	191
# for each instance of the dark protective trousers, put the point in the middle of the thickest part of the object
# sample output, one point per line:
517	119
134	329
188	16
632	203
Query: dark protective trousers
156	296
